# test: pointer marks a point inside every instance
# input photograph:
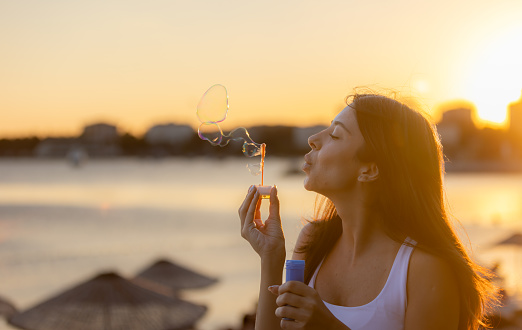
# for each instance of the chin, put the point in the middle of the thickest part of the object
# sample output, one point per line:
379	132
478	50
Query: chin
307	185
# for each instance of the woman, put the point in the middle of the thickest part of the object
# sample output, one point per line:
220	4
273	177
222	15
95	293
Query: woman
380	252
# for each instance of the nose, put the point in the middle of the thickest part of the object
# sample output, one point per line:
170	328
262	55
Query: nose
313	141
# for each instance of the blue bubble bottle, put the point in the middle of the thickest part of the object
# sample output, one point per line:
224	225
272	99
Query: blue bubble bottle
295	270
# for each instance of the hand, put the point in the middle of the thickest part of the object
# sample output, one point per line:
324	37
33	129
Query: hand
303	306
267	238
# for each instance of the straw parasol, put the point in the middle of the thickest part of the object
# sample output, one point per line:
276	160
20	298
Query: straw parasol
172	276
515	239
511	309
7	309
109	301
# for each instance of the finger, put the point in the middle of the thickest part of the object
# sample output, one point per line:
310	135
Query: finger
287	312
295	287
289	324
290	299
259	223
246	200
251	209
257	214
274	204
243	209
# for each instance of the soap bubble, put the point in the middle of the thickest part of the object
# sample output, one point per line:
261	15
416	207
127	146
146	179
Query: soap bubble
255	169
213	106
211	132
213	109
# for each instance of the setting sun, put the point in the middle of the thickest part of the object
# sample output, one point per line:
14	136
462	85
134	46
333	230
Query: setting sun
495	79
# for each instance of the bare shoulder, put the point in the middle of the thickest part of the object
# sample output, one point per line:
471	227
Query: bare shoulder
428	268
432	292
304	237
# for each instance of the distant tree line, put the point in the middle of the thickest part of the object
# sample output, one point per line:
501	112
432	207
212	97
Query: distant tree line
20	147
280	141
462	142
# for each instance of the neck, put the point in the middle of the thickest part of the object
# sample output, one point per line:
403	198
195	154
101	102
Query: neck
361	227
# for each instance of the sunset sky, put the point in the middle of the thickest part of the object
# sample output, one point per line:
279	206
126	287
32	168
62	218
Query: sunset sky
65	64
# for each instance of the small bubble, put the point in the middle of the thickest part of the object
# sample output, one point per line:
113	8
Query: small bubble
255	169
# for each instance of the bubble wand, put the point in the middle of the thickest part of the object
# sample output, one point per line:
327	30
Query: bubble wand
263	151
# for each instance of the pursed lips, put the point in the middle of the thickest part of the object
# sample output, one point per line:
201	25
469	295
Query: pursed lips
307	162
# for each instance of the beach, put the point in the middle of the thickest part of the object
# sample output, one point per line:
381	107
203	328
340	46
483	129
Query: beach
61	225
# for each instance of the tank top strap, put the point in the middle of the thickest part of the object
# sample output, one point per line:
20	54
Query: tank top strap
395	287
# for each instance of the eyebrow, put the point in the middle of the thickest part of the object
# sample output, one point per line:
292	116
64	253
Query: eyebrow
335	123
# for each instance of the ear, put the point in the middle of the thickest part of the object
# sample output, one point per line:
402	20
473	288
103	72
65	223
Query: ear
369	172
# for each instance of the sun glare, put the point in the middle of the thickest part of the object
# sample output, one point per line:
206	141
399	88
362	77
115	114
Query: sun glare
495	79
422	86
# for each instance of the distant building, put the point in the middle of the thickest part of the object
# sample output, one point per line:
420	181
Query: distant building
457	132
169	134
455	125
515	117
101	140
100	133
515	125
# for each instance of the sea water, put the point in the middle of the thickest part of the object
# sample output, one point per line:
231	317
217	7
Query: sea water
61	225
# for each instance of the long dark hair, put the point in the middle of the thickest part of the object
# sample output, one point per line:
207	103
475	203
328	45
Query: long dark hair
411	200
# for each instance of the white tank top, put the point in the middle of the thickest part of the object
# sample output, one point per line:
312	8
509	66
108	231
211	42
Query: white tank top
388	309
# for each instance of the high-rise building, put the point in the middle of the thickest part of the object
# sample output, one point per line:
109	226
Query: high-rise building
515	118
515	126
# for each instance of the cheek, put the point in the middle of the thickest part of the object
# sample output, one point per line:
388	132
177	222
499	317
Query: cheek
335	178
337	173
323	179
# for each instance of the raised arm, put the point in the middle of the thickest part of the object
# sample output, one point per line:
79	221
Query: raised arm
267	239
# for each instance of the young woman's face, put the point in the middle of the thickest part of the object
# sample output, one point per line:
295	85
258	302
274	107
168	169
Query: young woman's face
332	164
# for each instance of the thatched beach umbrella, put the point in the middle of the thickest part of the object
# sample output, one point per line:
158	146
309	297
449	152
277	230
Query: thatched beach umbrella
109	301
173	276
7	309
515	239
510	308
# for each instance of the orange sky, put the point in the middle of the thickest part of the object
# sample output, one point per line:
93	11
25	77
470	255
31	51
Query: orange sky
135	63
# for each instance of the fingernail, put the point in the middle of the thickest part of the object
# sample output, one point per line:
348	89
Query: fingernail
273	289
250	189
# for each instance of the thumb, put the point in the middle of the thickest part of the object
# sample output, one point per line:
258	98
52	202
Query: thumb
274	204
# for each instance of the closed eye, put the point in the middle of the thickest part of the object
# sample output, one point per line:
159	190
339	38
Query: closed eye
333	136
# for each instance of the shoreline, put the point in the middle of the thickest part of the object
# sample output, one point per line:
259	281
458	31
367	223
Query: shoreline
461	166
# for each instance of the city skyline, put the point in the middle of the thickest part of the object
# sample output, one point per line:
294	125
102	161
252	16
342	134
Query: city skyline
444	108
66	65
